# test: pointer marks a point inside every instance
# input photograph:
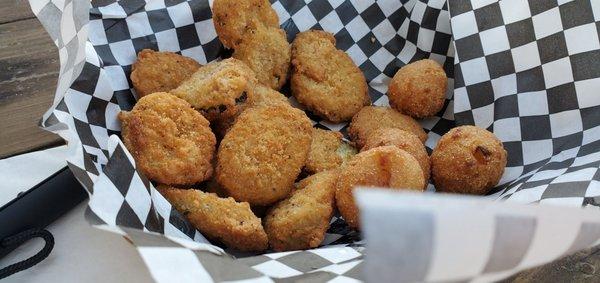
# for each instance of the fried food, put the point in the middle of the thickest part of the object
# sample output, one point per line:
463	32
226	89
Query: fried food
385	167
262	154
419	89
468	160
233	19
267	52
325	79
155	71
222	219
262	96
170	141
267	96
300	221
371	118
219	90
403	140
327	151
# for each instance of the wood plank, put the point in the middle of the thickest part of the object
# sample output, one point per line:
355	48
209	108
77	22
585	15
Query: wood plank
14	10
28	74
582	266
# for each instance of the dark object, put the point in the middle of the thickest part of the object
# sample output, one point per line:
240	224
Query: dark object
40	206
19	239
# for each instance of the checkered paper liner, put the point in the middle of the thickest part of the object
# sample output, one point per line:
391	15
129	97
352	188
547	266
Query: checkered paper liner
526	70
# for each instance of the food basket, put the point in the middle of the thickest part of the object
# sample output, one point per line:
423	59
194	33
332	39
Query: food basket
526	70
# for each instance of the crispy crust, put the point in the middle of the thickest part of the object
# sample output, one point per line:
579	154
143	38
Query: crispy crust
386	167
419	89
267	52
222	219
155	71
262	154
262	95
371	118
233	19
300	221
219	90
327	151
325	79
403	140
468	160
171	142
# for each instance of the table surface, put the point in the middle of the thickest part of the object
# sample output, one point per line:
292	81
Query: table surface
28	74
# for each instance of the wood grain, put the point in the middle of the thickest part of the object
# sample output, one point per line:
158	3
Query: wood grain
580	267
28	74
14	10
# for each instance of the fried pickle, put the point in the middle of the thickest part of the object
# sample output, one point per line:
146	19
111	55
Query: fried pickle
155	71
328	151
325	79
262	95
300	221
385	167
403	140
467	160
170	141
219	90
233	19
222	219
262	154
267	52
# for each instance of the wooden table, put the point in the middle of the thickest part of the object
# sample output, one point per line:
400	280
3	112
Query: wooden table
28	74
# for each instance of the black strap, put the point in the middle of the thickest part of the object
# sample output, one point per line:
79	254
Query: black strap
20	238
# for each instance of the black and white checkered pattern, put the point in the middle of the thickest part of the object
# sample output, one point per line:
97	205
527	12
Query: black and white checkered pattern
528	71
524	69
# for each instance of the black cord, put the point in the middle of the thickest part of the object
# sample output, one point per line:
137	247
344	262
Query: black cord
20	238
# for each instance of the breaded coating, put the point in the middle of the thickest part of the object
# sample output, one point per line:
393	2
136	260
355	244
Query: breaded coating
371	118
222	219
419	89
327	151
155	71
267	52
233	19
467	160
385	167
267	96
262	95
170	141
403	140
262	154
219	90
300	221
325	79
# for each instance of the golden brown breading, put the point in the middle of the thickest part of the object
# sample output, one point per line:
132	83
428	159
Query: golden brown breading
419	89
267	96
222	219
262	95
468	160
155	71
325	79
403	140
267	52
220	89
262	154
233	19
327	151
385	167
300	221
170	141
370	118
